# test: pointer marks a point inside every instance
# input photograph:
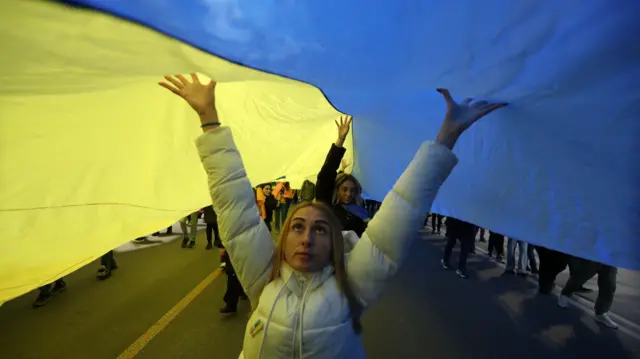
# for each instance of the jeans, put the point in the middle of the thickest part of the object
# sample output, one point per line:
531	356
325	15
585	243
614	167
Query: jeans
511	254
193	218
582	270
281	215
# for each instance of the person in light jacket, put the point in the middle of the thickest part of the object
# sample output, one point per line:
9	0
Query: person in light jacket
307	295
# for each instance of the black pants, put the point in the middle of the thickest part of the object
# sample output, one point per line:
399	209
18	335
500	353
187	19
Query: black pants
212	229
582	271
532	257
234	288
551	264
46	289
108	260
496	243
466	244
268	225
436	222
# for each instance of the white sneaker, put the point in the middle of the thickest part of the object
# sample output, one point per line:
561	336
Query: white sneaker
563	301
605	319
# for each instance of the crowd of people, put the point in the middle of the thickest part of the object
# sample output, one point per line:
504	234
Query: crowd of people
546	265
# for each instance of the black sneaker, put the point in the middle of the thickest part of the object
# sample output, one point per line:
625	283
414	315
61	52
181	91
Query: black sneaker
462	274
444	264
42	300
499	259
209	246
192	244
185	241
228	309
59	287
584	290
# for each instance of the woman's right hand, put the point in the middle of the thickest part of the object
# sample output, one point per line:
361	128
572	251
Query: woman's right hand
200	97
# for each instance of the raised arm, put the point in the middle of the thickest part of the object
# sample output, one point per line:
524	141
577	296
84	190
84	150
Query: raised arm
383	247
244	236
326	182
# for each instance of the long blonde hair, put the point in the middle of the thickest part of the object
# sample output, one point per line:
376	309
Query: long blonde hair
342	178
337	258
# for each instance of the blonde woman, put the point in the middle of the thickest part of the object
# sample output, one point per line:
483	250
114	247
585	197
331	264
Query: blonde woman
307	294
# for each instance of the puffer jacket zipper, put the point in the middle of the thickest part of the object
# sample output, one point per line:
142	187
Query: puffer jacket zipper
297	354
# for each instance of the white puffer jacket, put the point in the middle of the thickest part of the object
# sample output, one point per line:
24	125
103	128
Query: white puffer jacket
306	316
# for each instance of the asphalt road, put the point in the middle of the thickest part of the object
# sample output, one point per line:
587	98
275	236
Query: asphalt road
426	313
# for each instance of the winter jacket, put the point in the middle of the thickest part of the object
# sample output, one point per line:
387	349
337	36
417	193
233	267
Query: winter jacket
267	205
299	316
326	185
308	191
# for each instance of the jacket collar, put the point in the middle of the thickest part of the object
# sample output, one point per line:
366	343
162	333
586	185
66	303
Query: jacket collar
298	282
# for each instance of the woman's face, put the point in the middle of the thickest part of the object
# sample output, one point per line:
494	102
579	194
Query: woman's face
266	190
308	243
347	192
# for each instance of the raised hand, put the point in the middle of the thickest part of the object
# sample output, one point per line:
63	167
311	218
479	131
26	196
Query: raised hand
343	126
345	164
460	116
200	97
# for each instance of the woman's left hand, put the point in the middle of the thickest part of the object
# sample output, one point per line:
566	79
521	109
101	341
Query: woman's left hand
460	116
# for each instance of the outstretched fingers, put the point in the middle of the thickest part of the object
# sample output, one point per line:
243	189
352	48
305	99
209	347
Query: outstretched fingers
492	107
171	88
447	97
345	120
174	81
183	80
194	78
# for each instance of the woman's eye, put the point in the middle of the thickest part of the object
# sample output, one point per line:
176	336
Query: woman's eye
321	230
297	227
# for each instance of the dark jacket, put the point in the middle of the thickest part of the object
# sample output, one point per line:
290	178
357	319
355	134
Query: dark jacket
210	216
308	191
459	229
270	204
325	186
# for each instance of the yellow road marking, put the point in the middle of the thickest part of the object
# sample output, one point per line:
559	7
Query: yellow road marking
145	338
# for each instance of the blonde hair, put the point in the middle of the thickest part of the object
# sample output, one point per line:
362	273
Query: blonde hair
337	258
342	178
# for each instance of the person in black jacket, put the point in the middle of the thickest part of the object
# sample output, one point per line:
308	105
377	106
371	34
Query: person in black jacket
342	191
267	205
211	219
462	231
234	289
